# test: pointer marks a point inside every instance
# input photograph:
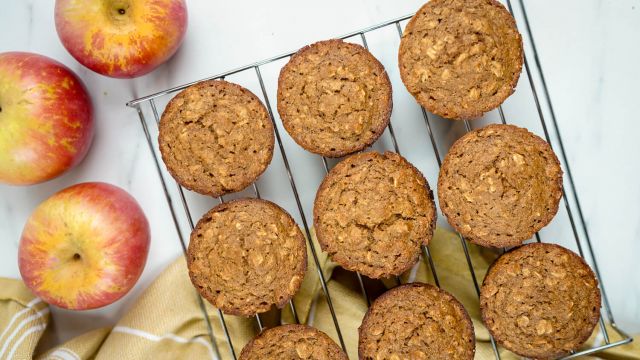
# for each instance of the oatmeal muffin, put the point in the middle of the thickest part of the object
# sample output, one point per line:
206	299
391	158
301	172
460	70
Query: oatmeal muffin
334	98
540	301
461	58
292	342
499	185
416	321
246	255
372	214
216	137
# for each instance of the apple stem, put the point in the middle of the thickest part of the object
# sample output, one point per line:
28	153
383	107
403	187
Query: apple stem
76	256
121	11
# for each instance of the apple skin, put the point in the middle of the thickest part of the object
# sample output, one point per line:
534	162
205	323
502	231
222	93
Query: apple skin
84	247
46	118
121	38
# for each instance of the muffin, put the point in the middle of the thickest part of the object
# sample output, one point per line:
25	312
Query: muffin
461	58
499	185
334	98
373	212
416	321
540	301
216	137
247	255
292	342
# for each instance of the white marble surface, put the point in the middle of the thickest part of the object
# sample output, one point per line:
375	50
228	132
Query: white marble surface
590	51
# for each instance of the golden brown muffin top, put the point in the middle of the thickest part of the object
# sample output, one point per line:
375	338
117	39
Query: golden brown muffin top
499	185
461	58
292	342
416	321
334	98
373	212
216	137
540	301
247	255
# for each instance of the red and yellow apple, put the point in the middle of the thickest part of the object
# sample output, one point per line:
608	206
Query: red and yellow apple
46	122
84	247
121	38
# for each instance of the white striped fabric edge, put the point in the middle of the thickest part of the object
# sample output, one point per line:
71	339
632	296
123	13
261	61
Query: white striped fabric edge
64	354
24	322
15	317
31	330
170	336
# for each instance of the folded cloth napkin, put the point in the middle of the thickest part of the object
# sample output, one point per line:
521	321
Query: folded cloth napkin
167	322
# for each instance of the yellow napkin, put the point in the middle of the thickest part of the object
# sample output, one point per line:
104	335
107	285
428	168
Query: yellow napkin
167	322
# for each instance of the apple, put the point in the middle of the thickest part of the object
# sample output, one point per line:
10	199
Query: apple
84	247
121	38
46	118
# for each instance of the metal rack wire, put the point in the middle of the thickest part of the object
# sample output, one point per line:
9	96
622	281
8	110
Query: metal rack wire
607	316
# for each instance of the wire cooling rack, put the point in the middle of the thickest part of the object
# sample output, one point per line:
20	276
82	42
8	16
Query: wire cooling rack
569	222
